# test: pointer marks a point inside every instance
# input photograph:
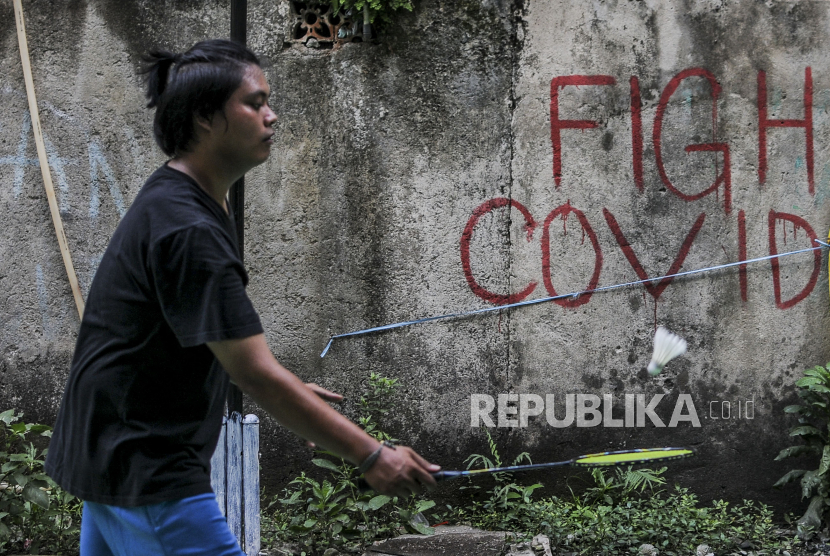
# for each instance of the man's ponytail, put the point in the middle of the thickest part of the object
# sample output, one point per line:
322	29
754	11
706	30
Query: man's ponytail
157	64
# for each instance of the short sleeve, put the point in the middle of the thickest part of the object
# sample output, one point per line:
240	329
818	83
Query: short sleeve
200	284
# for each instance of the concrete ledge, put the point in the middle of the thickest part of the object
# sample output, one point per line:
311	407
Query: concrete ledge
447	541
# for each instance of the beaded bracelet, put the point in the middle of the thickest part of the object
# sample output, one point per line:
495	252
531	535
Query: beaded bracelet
373	457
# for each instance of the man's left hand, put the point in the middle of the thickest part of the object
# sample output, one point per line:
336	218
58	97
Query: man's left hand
326	395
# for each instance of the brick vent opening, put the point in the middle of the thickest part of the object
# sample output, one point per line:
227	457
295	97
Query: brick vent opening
316	25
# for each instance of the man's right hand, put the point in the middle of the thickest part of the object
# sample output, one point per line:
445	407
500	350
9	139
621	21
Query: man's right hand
401	472
252	366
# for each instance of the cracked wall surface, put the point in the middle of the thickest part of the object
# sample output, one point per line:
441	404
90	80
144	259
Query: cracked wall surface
478	153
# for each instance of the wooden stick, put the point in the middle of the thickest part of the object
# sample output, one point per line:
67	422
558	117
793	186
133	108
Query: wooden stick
41	155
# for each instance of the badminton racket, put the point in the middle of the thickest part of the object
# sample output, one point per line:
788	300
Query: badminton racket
601	459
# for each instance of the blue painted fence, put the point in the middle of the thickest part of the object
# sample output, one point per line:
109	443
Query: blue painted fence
234	476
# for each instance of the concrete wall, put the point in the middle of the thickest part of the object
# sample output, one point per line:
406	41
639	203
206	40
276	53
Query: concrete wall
388	152
749	335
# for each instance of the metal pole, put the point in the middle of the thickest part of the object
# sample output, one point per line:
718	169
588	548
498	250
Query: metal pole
236	195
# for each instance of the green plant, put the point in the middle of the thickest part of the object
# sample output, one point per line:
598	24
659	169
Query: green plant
333	514
319	515
36	515
614	514
372	8
813	426
674	522
628	481
617	513
508	504
374	405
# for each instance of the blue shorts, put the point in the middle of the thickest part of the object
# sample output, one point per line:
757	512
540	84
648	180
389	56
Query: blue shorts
191	526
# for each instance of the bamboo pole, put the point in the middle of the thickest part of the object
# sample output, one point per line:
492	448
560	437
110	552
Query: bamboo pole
41	155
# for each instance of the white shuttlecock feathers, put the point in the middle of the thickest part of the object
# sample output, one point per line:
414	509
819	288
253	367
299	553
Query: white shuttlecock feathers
667	346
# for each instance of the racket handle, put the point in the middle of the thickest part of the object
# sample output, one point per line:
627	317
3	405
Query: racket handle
447	475
363	485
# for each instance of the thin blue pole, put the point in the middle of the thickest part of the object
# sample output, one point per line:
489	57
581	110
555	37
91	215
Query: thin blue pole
575	295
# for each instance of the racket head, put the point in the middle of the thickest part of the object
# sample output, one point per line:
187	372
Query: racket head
632	457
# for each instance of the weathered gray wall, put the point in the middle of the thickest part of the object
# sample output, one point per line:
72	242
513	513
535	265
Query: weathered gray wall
386	150
98	137
383	151
739	349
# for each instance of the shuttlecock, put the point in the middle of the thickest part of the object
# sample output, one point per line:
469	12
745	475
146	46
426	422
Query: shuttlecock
667	346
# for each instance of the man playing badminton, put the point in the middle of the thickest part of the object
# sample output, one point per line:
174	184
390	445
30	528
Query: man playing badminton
143	406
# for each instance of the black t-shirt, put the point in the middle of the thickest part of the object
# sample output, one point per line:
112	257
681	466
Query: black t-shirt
143	406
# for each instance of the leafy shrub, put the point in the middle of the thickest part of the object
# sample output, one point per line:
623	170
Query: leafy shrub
315	516
674	522
813	421
506	506
617	514
36	516
334	514
372	8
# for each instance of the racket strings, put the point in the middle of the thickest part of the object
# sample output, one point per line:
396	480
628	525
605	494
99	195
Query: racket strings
632	457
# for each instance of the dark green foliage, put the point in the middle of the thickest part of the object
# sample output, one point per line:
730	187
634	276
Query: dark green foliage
374	405
618	514
36	516
813	424
674	522
383	8
615	514
315	515
504	507
318	515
